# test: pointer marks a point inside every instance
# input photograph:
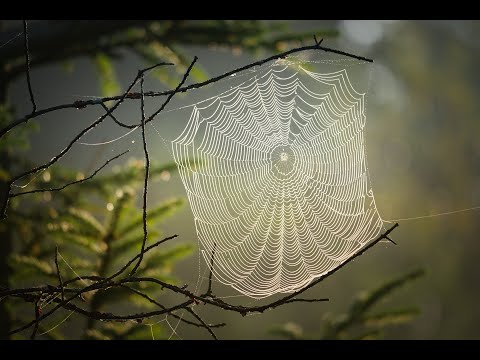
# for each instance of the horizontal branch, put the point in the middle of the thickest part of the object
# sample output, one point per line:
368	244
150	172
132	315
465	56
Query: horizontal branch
97	315
306	300
84	103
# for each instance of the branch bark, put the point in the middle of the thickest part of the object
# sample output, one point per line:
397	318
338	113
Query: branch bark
81	103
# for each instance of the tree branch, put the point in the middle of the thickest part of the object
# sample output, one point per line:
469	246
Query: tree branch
3	207
27	65
243	310
209	289
145	150
59	275
82	103
145	185
71	183
37	315
149	299
209	329
306	300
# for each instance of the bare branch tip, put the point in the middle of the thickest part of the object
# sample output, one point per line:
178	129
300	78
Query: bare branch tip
317	43
27	67
393	242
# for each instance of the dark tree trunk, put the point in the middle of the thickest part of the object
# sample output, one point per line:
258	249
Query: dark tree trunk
5	250
5	235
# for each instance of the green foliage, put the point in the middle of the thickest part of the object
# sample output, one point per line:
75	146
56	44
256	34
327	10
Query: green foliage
290	331
93	239
109	85
164	41
12	145
358	322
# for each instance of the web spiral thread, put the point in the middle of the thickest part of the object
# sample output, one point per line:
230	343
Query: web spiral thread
279	186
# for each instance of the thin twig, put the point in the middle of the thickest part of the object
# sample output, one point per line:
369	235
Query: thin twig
59	275
112	116
149	299
71	183
243	310
306	300
84	103
145	184
173	92
212	259
103	284
37	315
138	256
3	207
393	242
27	65
205	325
145	150
316	41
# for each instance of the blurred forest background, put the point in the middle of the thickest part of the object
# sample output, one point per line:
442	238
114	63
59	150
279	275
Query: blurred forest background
422	147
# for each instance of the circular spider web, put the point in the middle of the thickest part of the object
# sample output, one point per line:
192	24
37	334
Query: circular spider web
278	185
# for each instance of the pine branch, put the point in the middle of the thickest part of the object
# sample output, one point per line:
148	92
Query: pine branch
109	283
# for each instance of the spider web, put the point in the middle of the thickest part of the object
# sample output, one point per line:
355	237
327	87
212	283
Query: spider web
279	187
